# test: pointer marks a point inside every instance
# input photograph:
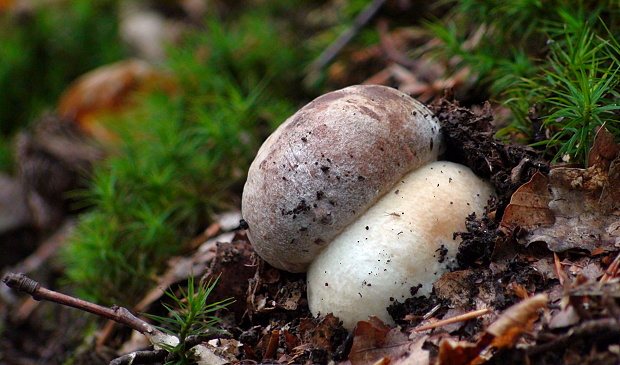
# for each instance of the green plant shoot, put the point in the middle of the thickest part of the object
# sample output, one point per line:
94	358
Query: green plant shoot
191	315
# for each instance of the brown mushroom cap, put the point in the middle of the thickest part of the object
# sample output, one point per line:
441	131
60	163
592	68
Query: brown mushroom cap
327	164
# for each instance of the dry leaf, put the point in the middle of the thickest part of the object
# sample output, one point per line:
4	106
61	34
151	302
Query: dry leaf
609	202
374	341
453	352
604	149
321	333
500	334
457	287
528	206
516	320
579	221
584	203
415	354
108	89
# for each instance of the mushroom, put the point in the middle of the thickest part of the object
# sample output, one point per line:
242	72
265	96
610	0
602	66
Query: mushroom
327	164
405	240
347	157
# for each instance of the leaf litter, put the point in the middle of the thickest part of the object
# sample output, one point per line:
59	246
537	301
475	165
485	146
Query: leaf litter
534	292
537	278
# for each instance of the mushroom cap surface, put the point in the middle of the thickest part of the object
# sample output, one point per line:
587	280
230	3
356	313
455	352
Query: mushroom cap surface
327	164
404	240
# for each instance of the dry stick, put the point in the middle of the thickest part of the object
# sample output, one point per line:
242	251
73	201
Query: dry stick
345	37
180	271
141	357
611	271
462	317
119	314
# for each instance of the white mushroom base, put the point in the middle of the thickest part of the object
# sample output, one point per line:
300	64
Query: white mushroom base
404	240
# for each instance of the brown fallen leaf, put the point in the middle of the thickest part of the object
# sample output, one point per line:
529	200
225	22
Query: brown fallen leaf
609	201
516	320
502	333
319	334
416	354
374	341
582	204
604	149
580	222
452	352
529	205
110	89
457	287
368	336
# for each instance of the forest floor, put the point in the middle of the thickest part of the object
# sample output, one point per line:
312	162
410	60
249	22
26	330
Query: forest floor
537	286
537	280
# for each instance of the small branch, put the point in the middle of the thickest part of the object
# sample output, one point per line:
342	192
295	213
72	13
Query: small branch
461	318
141	357
118	314
611	271
345	37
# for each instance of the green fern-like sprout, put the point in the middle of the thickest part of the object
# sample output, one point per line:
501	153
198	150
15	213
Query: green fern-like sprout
557	56
581	93
191	315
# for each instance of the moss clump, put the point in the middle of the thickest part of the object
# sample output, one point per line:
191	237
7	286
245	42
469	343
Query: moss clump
43	49
551	62
182	157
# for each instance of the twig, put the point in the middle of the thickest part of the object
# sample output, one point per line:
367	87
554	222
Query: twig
462	317
118	314
141	357
431	312
345	37
611	271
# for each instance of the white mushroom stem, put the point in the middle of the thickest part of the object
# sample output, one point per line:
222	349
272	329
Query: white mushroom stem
403	240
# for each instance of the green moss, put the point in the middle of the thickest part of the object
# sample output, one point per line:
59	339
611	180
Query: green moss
182	157
44	49
522	46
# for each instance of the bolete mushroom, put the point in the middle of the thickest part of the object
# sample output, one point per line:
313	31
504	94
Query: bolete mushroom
335	189
327	164
405	240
